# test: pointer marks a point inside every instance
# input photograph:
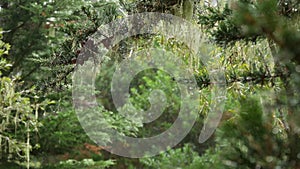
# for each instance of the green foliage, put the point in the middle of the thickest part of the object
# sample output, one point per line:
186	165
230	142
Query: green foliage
140	92
19	113
184	158
219	23
4	49
61	133
277	22
86	164
254	139
46	37
210	159
175	158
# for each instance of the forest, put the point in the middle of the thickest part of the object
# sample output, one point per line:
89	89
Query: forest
149	84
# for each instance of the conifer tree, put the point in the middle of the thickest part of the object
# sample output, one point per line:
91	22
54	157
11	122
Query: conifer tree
257	137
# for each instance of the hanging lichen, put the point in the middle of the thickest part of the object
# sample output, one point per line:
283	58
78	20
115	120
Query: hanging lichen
188	9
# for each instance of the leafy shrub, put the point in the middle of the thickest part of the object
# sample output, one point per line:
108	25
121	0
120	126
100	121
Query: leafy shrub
85	164
174	158
61	133
19	114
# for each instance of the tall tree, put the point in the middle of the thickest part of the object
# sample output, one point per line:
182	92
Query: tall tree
47	35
